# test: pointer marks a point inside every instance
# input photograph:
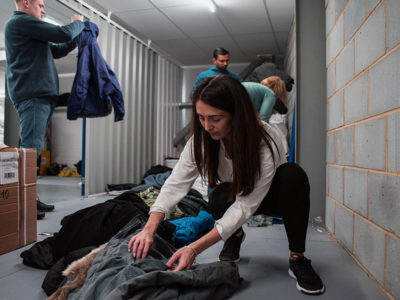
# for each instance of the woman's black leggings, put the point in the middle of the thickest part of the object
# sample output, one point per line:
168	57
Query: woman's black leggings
288	197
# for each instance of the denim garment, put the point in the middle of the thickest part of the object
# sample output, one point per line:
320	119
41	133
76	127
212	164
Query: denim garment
34	116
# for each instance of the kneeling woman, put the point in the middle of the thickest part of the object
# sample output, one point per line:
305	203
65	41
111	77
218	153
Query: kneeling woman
245	163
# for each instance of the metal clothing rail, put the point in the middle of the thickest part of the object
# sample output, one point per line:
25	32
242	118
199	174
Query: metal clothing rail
79	10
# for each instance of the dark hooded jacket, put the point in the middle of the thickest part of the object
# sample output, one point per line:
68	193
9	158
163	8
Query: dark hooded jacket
95	89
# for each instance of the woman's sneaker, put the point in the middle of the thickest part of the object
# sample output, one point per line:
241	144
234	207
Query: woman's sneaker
231	249
307	280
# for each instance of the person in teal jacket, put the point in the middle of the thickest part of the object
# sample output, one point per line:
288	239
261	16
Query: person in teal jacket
220	59
32	81
263	98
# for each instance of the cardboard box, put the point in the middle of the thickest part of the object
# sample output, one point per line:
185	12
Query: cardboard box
9	217
27	166
17	198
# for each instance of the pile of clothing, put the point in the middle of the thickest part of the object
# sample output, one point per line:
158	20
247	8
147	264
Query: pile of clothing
111	271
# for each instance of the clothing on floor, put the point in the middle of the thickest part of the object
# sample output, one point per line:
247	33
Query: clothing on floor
190	205
189	229
115	274
95	89
150	195
288	197
76	274
157	179
90	226
259	221
156	170
54	276
120	186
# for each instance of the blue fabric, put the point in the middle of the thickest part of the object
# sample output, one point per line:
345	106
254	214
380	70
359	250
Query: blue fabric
31	46
95	89
213	72
157	179
189	228
34	116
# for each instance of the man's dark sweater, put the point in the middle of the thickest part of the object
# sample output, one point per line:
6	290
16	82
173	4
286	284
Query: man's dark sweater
31	46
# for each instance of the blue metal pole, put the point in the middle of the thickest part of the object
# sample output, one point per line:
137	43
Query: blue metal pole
83	157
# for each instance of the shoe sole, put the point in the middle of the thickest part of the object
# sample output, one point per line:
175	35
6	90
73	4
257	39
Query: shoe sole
46	209
238	259
301	289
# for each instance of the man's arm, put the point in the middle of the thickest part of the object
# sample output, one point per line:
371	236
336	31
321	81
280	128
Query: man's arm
62	49
46	32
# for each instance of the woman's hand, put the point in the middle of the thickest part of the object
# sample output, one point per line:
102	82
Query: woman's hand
140	244
185	258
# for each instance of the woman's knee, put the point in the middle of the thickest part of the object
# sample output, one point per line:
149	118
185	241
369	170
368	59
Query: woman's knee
218	200
292	176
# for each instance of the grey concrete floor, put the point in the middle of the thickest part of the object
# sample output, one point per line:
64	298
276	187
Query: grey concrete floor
263	266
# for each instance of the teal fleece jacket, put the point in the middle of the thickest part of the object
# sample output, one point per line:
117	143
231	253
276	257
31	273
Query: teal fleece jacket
31	46
263	98
213	72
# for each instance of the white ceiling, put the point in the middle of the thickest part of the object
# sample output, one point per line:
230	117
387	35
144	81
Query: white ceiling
187	30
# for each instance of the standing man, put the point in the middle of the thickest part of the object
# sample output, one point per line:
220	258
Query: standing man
32	79
221	61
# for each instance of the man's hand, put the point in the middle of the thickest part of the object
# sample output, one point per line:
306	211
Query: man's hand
77	18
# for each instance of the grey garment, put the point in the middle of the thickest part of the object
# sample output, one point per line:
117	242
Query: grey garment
270	69
116	275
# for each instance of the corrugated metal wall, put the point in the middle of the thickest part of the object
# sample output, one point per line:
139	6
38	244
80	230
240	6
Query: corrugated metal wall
121	152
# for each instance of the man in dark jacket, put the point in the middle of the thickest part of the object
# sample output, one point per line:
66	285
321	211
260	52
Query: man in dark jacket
31	46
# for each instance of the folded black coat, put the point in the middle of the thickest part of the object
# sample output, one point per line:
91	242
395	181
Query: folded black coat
91	226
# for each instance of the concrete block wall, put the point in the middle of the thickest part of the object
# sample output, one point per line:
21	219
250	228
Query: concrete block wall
363	140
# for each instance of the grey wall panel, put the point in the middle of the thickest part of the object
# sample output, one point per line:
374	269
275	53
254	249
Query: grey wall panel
169	78
310	99
121	152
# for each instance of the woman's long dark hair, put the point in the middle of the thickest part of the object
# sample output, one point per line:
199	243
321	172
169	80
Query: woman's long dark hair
247	133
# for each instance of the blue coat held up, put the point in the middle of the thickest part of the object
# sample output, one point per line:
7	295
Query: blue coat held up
95	89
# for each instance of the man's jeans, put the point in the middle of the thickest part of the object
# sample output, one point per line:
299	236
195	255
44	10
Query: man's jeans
34	116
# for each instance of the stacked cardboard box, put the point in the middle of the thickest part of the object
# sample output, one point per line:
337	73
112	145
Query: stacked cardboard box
17	198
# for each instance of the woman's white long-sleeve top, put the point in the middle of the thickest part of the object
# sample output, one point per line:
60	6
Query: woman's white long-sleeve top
185	173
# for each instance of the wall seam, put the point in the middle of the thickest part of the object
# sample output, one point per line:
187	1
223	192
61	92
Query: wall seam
385	260
378	60
362	266
374	117
353	36
375	171
368	195
380	228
